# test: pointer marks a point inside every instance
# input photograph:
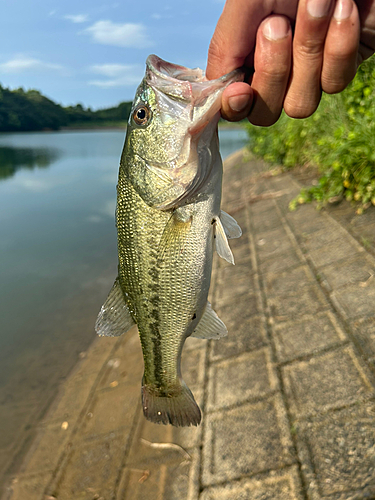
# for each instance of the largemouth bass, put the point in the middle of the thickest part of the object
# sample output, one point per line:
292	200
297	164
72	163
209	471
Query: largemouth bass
169	222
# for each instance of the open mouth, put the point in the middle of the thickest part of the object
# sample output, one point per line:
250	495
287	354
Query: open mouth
193	103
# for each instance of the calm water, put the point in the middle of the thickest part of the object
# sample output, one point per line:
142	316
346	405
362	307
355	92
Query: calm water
57	259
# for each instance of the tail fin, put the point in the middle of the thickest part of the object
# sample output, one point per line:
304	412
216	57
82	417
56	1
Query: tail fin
180	410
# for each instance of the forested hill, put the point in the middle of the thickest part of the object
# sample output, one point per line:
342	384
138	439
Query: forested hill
22	110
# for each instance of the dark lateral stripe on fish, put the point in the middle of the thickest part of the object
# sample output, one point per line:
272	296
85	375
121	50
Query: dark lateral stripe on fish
154	325
157	350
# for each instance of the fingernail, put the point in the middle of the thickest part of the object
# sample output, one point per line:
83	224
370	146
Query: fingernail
318	8
343	9
238	103
275	28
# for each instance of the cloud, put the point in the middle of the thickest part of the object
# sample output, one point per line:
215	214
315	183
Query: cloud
161	16
32	181
20	64
35	185
96	219
114	69
118	75
120	35
78	18
109	208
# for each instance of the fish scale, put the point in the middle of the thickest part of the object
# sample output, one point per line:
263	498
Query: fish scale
138	237
169	221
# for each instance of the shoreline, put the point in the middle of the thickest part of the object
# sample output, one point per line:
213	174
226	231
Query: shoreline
13	464
94	441
221	125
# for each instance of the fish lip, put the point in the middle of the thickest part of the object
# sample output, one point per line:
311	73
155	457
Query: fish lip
190	86
198	127
155	64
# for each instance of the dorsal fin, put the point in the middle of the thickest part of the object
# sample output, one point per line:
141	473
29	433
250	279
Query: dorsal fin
114	318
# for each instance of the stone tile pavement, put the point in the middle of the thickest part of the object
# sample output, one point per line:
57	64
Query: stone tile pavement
287	397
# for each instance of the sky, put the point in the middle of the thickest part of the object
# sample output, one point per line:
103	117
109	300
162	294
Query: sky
93	52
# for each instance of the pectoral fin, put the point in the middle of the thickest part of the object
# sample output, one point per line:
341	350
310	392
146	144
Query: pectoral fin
231	228
174	237
210	325
114	318
221	242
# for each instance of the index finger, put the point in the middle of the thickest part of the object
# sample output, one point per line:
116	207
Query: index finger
234	38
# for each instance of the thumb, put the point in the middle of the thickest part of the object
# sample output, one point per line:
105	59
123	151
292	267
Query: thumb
234	38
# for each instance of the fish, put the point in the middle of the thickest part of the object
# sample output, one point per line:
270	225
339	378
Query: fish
169	222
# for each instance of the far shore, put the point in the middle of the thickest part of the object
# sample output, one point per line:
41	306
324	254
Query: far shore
222	124
115	126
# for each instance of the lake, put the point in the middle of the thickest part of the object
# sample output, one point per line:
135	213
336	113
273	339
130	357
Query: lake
57	262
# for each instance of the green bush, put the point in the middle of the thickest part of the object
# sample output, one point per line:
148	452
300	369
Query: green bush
338	139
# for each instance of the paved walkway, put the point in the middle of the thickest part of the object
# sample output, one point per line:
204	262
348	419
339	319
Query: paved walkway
287	397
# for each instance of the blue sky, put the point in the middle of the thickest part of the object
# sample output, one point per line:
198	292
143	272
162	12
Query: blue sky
93	52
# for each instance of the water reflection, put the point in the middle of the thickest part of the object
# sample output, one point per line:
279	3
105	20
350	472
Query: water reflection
13	159
57	262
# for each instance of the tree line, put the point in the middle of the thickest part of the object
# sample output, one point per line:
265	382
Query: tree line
22	111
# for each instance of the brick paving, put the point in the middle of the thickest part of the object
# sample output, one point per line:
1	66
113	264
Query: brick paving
287	397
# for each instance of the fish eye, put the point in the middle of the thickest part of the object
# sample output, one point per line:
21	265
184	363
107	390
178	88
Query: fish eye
142	115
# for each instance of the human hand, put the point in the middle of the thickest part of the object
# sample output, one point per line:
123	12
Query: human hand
330	40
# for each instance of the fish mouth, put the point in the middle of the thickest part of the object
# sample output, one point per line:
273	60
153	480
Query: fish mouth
198	102
180	74
190	86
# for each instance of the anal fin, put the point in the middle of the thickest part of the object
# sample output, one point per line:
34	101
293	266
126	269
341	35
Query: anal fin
114	318
210	326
